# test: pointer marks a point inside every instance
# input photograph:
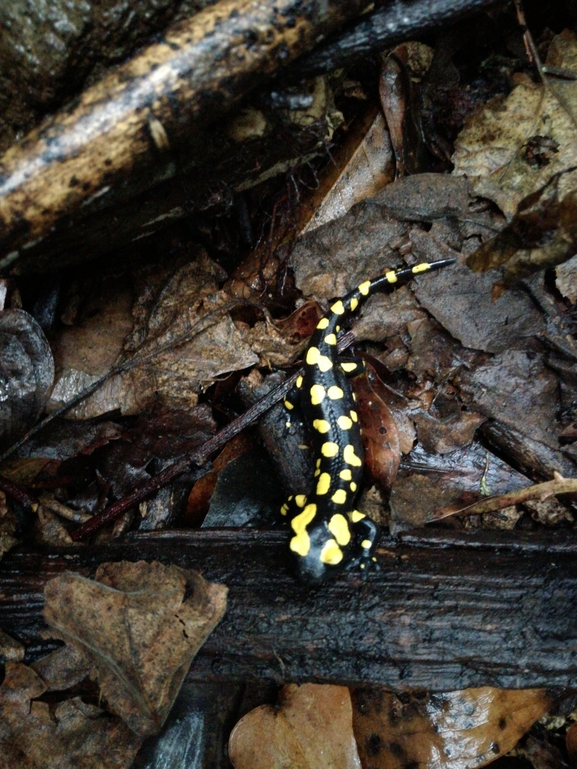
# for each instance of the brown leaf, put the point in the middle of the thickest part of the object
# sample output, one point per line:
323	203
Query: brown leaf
571	742
454	730
8	526
70	735
139	631
430	482
312	729
362	166
379	431
441	436
494	150
26	372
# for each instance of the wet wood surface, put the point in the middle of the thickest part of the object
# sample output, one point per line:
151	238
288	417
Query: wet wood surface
152	105
445	610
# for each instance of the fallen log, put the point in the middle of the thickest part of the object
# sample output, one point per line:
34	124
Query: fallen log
151	105
445	611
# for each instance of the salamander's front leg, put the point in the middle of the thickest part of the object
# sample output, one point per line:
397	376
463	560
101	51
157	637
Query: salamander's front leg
351	365
292	399
367	535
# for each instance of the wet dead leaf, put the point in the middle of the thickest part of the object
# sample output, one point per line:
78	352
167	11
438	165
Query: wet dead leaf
442	436
566	279
11	650
68	735
26	374
454	730
542	234
571	743
517	388
364	165
311	728
139	631
493	150
380	434
462	303
49	529
429	482
182	339
8	526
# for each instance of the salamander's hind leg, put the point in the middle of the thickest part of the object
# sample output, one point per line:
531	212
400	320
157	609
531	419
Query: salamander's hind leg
351	365
367	535
293	505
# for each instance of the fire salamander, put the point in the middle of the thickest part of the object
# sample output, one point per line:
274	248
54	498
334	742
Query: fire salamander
328	532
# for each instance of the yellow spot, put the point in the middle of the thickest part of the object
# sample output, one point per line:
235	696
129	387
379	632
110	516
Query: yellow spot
288	405
354	416
329	449
366	544
362	566
323	484
349	366
299	382
317	473
312	355
338	308
318	393
339	497
391	276
330	339
337	329
354	397
318	462
353	486
354	303
321	425
346	475
288	424
301	500
350	457
284	509
301	542
335	393
331	553
323	323
339	528
344	422
356	516
365	287
420	268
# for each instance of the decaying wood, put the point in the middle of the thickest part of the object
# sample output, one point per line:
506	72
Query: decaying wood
395	22
151	105
446	610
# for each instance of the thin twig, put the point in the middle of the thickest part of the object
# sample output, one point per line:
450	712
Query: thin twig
541	491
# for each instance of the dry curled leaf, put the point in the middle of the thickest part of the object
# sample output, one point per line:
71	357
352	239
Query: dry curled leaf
311	728
454	730
139	630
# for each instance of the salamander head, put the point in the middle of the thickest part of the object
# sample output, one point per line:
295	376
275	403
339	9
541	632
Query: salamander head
321	559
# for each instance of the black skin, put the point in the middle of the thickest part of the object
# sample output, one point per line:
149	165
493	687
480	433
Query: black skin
328	533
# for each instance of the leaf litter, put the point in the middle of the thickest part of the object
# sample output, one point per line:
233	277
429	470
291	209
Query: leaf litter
474	359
